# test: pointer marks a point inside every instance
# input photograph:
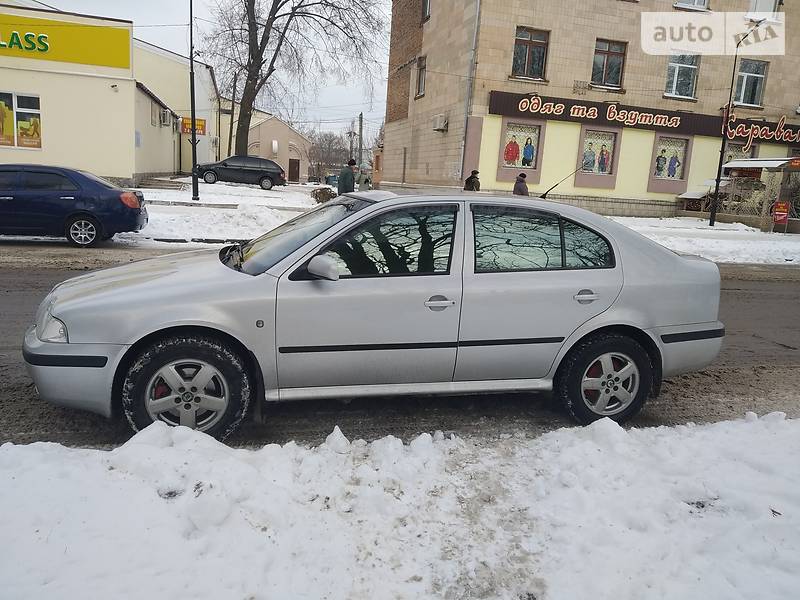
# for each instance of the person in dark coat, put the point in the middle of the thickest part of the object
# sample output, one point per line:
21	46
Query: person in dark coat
521	187
472	183
347	178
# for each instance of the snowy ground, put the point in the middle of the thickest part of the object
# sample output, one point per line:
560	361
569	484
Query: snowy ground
692	512
725	242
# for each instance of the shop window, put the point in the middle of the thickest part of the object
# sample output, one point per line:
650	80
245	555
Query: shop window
682	75
750	84
422	69
530	53
20	121
736	151
521	146
609	63
669	167
598	152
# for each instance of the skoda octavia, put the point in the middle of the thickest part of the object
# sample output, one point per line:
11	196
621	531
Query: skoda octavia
375	295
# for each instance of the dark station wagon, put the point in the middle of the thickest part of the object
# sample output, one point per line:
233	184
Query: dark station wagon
244	169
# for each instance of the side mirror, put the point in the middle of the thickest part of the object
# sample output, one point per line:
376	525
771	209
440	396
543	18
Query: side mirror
323	267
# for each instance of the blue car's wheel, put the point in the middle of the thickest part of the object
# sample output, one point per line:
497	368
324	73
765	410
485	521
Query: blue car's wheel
82	231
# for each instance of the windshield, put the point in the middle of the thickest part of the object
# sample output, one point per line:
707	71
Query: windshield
99	180
264	252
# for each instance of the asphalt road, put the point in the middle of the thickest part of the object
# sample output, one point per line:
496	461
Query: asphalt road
756	371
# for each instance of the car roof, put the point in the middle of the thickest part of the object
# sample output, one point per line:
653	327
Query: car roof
33	166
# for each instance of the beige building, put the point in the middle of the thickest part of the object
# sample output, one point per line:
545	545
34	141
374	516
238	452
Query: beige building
556	86
80	91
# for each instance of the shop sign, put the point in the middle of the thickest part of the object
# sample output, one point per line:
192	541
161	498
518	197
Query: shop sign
780	212
533	106
64	41
186	125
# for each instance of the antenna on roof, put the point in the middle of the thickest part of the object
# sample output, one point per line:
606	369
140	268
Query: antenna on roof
544	196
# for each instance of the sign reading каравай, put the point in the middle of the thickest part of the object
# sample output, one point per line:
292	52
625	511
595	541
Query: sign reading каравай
618	115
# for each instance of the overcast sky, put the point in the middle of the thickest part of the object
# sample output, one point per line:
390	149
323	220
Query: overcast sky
334	105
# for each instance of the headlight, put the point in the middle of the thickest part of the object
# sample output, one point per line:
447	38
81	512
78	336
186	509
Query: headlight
52	330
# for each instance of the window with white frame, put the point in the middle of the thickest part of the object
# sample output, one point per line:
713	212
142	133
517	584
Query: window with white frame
682	75
750	83
426	9
764	6
700	4
422	69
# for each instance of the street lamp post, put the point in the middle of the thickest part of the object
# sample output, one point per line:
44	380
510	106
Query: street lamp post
725	120
195	190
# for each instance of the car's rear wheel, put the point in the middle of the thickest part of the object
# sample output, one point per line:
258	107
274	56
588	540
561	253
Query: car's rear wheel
195	381
607	375
210	177
266	183
82	231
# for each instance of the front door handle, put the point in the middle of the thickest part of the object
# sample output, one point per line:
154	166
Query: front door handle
585	297
67	198
6	197
437	303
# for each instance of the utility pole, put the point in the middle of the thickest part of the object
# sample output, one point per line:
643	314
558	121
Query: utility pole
195	190
360	139
712	219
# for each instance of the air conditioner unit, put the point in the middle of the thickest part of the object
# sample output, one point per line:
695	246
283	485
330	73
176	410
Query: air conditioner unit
440	123
165	118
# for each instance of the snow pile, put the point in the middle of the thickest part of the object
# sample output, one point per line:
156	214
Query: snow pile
708	512
725	242
234	193
186	223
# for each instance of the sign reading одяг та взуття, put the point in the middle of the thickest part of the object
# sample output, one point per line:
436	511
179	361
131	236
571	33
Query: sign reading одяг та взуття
65	41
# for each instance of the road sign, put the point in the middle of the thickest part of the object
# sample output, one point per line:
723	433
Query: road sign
780	212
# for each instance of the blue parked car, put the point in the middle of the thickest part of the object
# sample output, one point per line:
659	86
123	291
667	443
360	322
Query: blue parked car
52	201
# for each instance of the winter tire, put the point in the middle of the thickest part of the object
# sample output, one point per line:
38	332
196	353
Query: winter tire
265	183
82	231
210	177
607	375
195	381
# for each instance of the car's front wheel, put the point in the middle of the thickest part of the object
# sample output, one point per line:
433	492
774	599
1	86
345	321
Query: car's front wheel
266	183
195	381
210	177
607	375
82	231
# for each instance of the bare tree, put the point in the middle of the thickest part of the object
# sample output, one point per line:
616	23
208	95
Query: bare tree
328	151
296	39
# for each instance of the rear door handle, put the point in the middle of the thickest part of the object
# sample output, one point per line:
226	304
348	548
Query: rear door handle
6	197
67	198
585	297
437	303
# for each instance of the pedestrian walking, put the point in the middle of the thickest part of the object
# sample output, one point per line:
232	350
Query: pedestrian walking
347	179
521	186
472	183
363	180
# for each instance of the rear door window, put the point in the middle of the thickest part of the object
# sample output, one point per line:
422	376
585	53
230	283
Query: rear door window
8	180
43	181
236	161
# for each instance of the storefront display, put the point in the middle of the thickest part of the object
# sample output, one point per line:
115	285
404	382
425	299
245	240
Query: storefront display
521	146
670	158
20	121
598	149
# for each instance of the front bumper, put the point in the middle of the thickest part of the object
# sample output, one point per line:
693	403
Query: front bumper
688	348
73	375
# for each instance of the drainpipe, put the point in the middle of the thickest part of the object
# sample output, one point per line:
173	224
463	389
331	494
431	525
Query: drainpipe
470	83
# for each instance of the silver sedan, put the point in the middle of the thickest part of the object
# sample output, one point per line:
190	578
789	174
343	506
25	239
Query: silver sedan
374	294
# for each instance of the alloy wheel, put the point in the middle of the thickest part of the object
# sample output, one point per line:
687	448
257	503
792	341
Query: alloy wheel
187	392
83	232
610	384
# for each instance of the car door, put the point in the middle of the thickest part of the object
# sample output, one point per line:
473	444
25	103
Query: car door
47	198
531	278
391	318
231	170
9	202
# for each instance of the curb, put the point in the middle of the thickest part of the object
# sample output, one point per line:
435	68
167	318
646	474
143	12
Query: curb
222	206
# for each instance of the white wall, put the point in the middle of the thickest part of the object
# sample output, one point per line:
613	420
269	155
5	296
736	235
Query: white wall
155	148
